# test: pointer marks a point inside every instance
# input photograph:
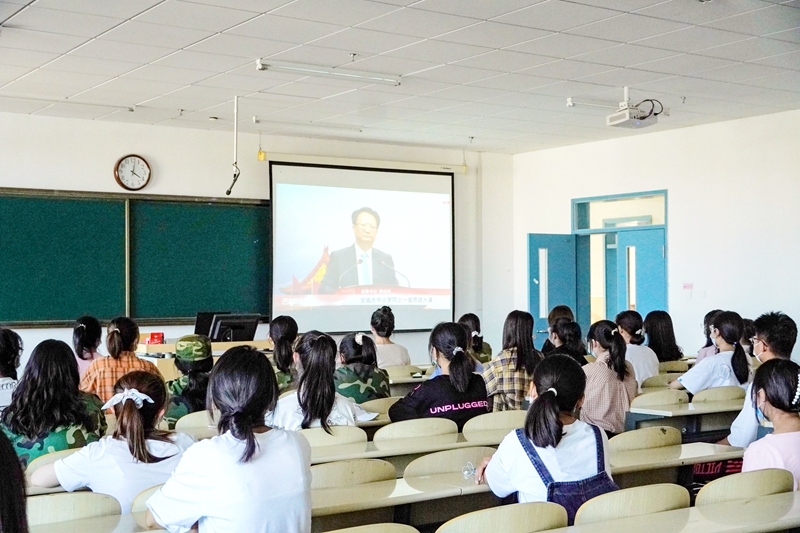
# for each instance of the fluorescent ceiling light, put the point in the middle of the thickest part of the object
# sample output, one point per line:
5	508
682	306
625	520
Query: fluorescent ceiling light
327	72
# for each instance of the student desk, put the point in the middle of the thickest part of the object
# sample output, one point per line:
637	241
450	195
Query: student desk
128	523
404	385
697	421
167	365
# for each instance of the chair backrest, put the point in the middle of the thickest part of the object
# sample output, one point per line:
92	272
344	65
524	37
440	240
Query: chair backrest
339	435
509	420
353	472
515	518
719	394
111	422
198	419
46	459
635	501
381	405
402	371
746	485
660	380
662	397
139	502
673	366
379	528
590	358
447	461
65	506
430	370
286	393
419	427
638	439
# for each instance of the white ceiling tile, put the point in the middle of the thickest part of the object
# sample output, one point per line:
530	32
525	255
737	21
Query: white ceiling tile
505	61
418	23
556	15
187	104
169	74
789	81
336	107
113	50
567	69
563	45
685	86
700	13
295	115
201	61
143	115
89	65
620	5
482	109
438	51
155	35
309	90
739	72
566	89
755	48
412	87
75	111
391	65
120	10
177	13
455	74
625	55
341	12
479	9
623	77
790	61
65	22
280	100
684	64
367	96
241	83
530	100
529	114
35	89
792	35
627	28
514	82
7	10
387	112
103	95
768	20
315	55
24	58
469	93
238	45
426	103
38	41
77	81
692	39
355	119
126	84
285	29
9	73
14	105
358	40
493	35
199	92
443	117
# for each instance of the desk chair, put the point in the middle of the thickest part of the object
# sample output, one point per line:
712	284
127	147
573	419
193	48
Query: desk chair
662	397
111	422
746	485
516	518
719	394
339	435
638	439
381	405
379	528
509	420
590	358
419	427
46	459
199	419
139	502
447	462
402	371
633	502
660	381
62	507
349	473
673	366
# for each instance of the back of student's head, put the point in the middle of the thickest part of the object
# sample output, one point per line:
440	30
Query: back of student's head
729	326
13	512
283	332
560	311
122	336
607	335
316	391
748	331
708	320
661	336
472	324
47	395
560	383
569	333
137	416
194	359
243	389
518	334
86	336
358	348
10	353
450	340
382	322
778	331
780	380
632	323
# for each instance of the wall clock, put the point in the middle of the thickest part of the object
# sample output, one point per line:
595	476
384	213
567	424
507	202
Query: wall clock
132	172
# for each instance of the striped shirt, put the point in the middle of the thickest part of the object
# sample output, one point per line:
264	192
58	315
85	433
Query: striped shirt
505	385
103	374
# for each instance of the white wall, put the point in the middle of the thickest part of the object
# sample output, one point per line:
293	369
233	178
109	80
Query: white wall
733	219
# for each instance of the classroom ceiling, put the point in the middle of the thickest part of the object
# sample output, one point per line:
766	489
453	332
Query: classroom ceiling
476	74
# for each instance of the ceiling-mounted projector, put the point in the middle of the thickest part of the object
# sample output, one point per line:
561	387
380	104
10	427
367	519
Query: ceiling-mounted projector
632	117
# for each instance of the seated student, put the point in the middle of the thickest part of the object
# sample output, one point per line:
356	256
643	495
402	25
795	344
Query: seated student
559	311
48	413
437	371
458	393
121	341
774	338
661	336
565	336
283	333
315	403
747	333
10	353
709	348
776	395
478	349
193	359
728	367
642	358
138	456
248	479
87	334
610	379
359	378
389	353
508	376
13	512
554	457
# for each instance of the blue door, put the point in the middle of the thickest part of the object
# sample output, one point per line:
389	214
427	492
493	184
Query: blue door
552	277
641	271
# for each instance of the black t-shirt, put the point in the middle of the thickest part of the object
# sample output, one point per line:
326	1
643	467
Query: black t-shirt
438	397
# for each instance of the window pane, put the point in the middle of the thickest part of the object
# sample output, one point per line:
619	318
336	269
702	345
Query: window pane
621	212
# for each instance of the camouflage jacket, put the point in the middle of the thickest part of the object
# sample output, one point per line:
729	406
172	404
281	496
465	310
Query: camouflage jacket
63	437
485	355
361	382
177	386
285	381
177	408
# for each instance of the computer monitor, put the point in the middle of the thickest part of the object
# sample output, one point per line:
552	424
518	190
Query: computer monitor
202	324
233	328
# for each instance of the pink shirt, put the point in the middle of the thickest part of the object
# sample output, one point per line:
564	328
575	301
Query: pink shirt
775	451
705	352
83	364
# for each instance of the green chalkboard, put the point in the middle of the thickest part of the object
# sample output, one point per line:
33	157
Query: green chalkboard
61	258
189	256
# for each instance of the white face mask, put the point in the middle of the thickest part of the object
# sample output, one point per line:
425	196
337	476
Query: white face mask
758	355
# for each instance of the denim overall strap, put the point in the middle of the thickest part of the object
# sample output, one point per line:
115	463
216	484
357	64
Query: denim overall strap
544	474
601	458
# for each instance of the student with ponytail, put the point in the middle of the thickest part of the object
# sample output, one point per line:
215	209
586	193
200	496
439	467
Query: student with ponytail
478	349
10	354
103	374
565	337
250	478
458	393
138	455
610	379
642	358
359	377
283	333
709	348
555	457
87	334
729	367
13	512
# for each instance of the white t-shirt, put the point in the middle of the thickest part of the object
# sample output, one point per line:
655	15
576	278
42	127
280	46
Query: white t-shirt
271	493
7	387
644	362
574	459
107	467
713	371
744	430
288	414
392	355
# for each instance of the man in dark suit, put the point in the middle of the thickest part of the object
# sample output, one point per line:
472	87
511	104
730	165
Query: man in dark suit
359	264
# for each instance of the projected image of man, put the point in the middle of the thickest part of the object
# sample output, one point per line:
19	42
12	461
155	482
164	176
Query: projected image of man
360	263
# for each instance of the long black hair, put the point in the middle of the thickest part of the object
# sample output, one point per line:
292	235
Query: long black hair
13	512
353	351
450	340
243	388
47	396
780	380
748	332
569	333
383	322
473	324
606	334
122	336
316	391
197	376
730	326
135	425
86	336
10	353
632	323
560	383
708	321
518	334
283	332
661	336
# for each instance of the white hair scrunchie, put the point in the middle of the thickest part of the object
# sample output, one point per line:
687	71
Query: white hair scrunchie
458	349
128	394
554	391
475	333
359	338
797	391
